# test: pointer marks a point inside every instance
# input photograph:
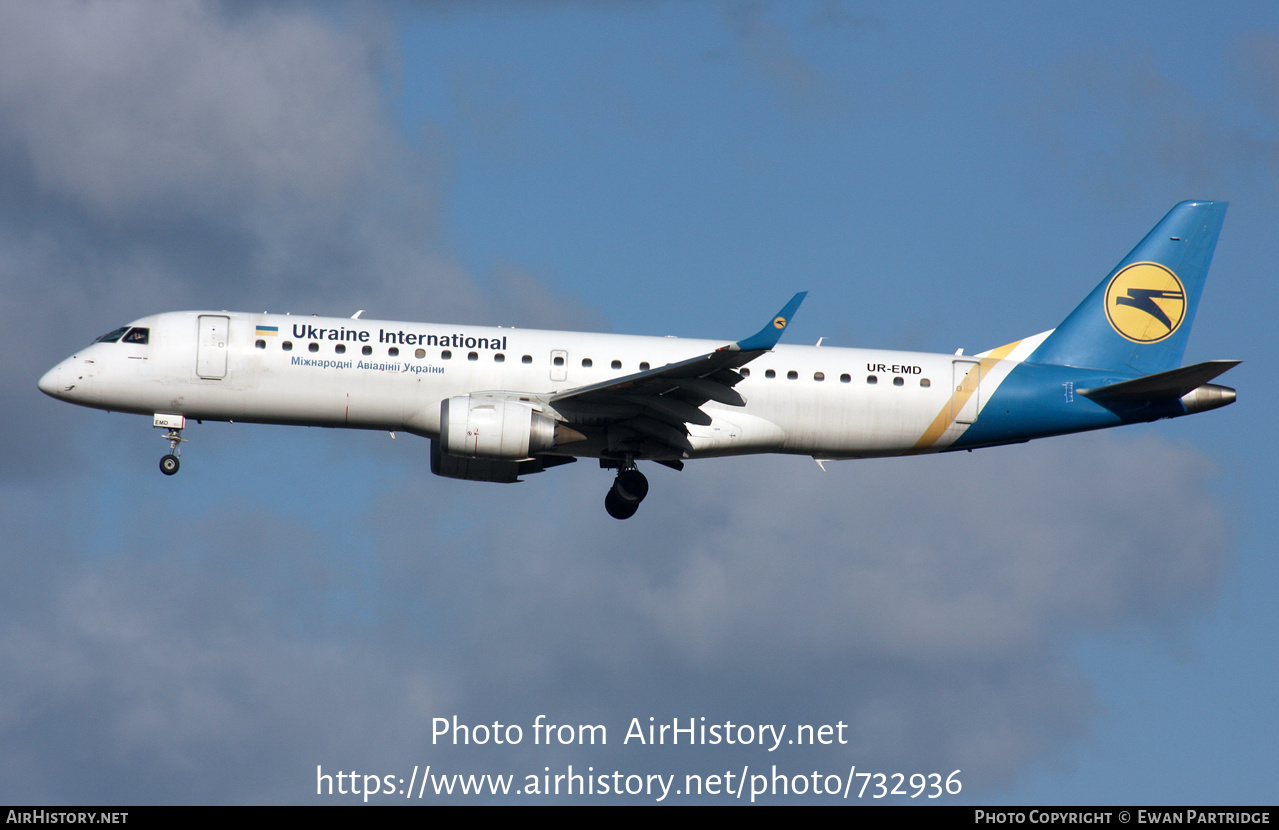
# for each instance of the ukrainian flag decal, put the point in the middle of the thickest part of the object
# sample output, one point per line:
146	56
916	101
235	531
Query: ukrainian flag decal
268	331
1145	302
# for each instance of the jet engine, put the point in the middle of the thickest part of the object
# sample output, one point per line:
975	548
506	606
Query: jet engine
491	439
493	428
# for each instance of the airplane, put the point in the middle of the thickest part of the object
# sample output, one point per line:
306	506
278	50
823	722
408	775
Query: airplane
501	403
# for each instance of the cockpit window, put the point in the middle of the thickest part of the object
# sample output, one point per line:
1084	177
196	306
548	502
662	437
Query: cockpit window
137	335
112	336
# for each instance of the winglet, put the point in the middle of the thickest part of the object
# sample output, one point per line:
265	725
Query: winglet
767	337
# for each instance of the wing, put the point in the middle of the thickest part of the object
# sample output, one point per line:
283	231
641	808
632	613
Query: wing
648	413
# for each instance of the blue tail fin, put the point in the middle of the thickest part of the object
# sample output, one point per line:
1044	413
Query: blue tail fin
1138	320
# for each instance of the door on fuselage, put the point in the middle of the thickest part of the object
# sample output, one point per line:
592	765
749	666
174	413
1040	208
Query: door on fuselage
211	348
965	398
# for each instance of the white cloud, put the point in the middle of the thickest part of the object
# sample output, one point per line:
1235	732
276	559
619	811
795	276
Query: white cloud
128	108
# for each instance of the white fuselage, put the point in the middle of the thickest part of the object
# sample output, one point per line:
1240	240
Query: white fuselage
370	374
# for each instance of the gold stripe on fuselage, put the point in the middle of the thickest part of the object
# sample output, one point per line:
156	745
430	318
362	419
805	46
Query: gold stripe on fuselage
960	396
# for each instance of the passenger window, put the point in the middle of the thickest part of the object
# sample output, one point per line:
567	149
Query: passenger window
872	380
287	345
898	382
499	358
557	361
446	355
819	376
261	344
745	372
472	356
340	348
420	353
617	364
367	350
770	374
845	378
792	375
314	347
644	366
924	382
587	363
526	359
394	351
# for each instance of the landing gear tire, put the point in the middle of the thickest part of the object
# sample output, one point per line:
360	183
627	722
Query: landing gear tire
631	486
624	497
169	465
617	508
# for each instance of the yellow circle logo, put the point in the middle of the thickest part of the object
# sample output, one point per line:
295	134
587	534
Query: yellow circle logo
779	323
1145	302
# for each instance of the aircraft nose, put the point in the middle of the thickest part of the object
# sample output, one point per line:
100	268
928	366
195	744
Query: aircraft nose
50	383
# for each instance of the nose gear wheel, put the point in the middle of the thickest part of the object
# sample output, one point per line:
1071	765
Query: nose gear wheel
171	462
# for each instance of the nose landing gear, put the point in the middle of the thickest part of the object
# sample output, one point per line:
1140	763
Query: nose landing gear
175	424
628	490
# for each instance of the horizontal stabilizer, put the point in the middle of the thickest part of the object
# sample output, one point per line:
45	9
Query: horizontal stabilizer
1171	384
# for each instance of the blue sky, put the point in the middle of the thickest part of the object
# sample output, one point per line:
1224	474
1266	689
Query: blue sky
1084	620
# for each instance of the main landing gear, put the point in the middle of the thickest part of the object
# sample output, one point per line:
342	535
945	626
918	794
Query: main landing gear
628	490
174	423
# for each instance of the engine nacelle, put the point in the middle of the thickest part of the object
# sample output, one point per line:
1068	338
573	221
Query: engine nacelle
493	428
487	469
473	469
